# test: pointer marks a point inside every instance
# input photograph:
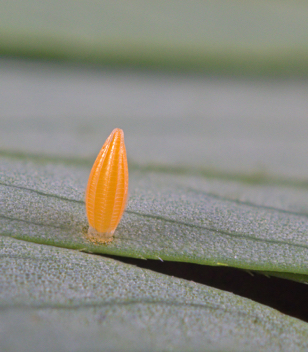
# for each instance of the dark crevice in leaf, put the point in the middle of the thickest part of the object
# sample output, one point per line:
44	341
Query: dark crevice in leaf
169	268
287	296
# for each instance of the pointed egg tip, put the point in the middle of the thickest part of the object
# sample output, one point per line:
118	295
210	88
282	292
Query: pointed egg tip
107	189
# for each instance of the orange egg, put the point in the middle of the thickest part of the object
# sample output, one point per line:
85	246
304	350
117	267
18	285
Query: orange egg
107	188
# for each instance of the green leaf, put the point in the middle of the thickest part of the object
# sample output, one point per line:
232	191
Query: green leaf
213	36
57	299
168	217
207	184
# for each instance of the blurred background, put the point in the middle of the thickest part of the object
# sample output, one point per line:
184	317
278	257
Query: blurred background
220	86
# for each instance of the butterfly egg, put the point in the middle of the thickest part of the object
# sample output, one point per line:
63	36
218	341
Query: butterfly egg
107	188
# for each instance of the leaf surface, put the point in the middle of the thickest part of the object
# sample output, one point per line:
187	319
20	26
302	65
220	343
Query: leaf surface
208	185
57	298
169	217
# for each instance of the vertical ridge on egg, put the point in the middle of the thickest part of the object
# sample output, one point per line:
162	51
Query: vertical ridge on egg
107	188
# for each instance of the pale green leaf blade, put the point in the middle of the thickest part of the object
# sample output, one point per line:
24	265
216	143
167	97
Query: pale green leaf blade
57	299
169	217
214	36
247	130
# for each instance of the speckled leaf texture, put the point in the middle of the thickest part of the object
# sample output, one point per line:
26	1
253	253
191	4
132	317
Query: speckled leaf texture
59	299
218	173
168	216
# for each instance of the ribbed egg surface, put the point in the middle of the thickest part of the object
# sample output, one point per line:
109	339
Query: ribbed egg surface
107	188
